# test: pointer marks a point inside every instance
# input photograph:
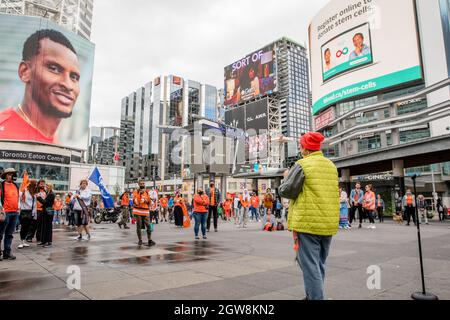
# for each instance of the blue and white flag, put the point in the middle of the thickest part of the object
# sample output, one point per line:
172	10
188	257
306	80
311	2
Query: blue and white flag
96	178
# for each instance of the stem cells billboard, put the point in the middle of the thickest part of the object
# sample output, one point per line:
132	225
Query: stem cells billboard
251	77
359	47
45	82
349	50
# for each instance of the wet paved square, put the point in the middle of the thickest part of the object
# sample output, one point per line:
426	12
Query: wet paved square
231	264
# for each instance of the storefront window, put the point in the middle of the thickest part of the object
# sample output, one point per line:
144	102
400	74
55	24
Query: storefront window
412	135
58	176
368	144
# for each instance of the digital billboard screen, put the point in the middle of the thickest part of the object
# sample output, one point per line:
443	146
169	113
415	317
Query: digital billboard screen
45	82
361	47
257	116
348	51
253	76
235	118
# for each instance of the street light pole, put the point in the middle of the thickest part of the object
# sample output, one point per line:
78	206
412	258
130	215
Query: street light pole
424	295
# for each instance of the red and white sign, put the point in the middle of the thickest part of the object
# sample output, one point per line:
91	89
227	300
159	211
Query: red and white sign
324	119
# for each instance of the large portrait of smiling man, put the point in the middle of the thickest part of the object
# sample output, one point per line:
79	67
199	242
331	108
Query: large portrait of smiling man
45	95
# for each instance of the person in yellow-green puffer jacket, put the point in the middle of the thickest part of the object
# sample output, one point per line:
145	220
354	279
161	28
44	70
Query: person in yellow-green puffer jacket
312	185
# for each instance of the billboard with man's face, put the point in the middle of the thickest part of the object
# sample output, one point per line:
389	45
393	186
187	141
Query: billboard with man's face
360	47
45	82
253	76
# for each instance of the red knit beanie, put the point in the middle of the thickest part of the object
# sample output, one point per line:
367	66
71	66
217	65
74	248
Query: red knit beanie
312	141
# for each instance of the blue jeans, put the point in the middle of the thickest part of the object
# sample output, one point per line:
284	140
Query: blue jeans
200	218
7	229
254	212
312	257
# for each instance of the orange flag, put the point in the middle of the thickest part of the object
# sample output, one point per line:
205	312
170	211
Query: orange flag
25	182
186	220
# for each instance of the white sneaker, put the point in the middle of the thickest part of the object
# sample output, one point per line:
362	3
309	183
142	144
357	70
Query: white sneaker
20	246
25	244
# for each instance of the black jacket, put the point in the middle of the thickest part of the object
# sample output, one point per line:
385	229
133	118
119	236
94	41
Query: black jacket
47	203
217	196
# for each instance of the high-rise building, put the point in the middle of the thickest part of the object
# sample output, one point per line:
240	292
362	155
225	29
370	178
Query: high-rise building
75	15
274	80
148	116
104	147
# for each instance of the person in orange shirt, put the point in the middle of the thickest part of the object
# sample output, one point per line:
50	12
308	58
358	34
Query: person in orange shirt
125	205
268	200
227	208
141	206
57	206
409	206
164	204
369	205
245	203
254	200
9	211
201	202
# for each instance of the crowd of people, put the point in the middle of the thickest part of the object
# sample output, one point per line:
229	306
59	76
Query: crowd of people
318	208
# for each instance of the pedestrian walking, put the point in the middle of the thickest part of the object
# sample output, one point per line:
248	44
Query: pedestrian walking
154	212
141	212
245	205
28	211
409	206
380	208
441	210
312	185
57	207
214	197
369	206
268	200
69	210
422	208
344	212
201	202
82	201
163	208
236	208
227	207
178	210
254	208
125	206
48	216
356	199
9	212
36	224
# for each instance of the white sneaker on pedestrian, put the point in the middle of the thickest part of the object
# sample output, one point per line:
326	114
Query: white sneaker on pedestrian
20	246
25	244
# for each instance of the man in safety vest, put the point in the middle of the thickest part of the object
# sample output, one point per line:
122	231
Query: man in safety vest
141	206
409	206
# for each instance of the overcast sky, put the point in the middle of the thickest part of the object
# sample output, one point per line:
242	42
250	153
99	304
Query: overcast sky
137	40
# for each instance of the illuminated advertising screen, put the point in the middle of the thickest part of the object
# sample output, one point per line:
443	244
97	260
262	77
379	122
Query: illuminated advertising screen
257	116
253	76
360	47
45	82
235	118
350	50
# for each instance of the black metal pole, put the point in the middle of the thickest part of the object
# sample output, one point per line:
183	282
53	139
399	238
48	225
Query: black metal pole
420	295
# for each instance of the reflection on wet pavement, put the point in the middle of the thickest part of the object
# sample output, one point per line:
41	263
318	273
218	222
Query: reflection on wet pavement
155	259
